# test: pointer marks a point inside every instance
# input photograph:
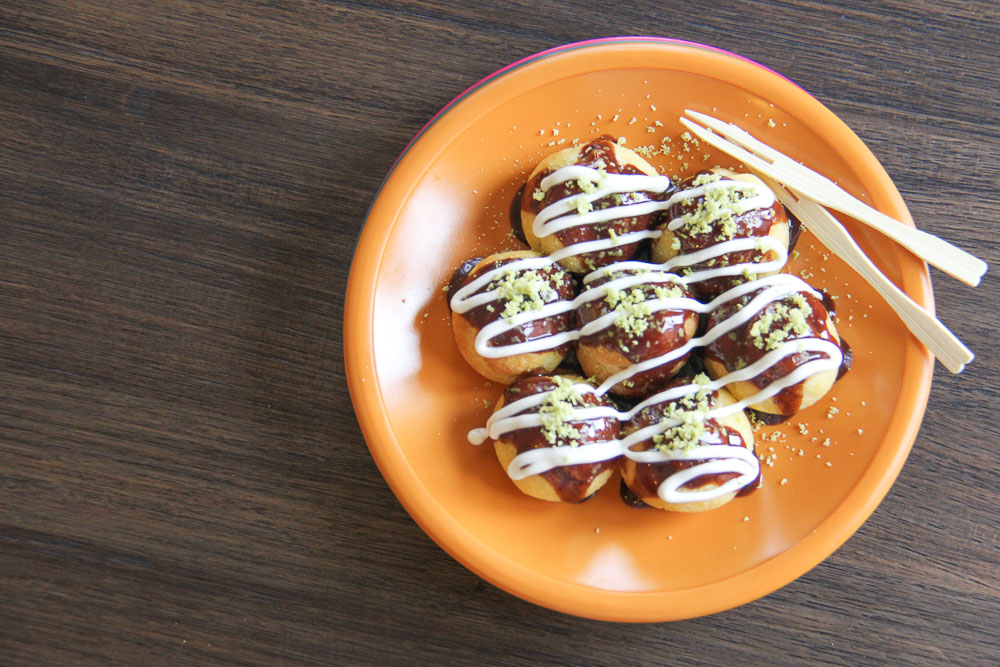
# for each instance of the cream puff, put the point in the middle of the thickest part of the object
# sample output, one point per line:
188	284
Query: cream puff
542	419
690	460
777	344
719	228
593	193
632	317
512	315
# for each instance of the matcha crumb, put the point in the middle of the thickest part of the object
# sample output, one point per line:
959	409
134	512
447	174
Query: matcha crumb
779	321
668	292
716	210
633	309
523	292
557	410
691	412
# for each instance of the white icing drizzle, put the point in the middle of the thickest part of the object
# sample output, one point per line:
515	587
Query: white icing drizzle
564	214
761	198
469	296
716	459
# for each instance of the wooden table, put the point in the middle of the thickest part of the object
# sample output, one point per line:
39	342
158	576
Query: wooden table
182	479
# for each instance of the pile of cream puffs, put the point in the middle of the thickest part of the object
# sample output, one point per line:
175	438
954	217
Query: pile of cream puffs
643	323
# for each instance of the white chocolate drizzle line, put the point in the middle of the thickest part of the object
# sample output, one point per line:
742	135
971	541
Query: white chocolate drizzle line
563	214
717	459
724	458
469	296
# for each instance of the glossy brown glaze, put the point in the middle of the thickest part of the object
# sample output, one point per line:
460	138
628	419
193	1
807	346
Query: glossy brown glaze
570	482
845	365
597	153
766	418
514	214
666	331
845	349
794	229
459	275
560	281
829	303
737	350
756	223
752	486
630	499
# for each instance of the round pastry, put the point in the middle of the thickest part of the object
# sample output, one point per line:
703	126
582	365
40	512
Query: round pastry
712	210
785	327
708	460
493	323
563	434
635	317
596	205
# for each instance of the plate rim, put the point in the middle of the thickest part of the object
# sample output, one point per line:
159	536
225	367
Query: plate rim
578	599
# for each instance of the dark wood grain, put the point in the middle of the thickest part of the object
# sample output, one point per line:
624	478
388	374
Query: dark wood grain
182	479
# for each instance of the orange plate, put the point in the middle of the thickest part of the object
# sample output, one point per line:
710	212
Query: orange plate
447	200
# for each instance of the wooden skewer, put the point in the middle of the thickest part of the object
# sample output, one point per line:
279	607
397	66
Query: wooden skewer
765	159
949	350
